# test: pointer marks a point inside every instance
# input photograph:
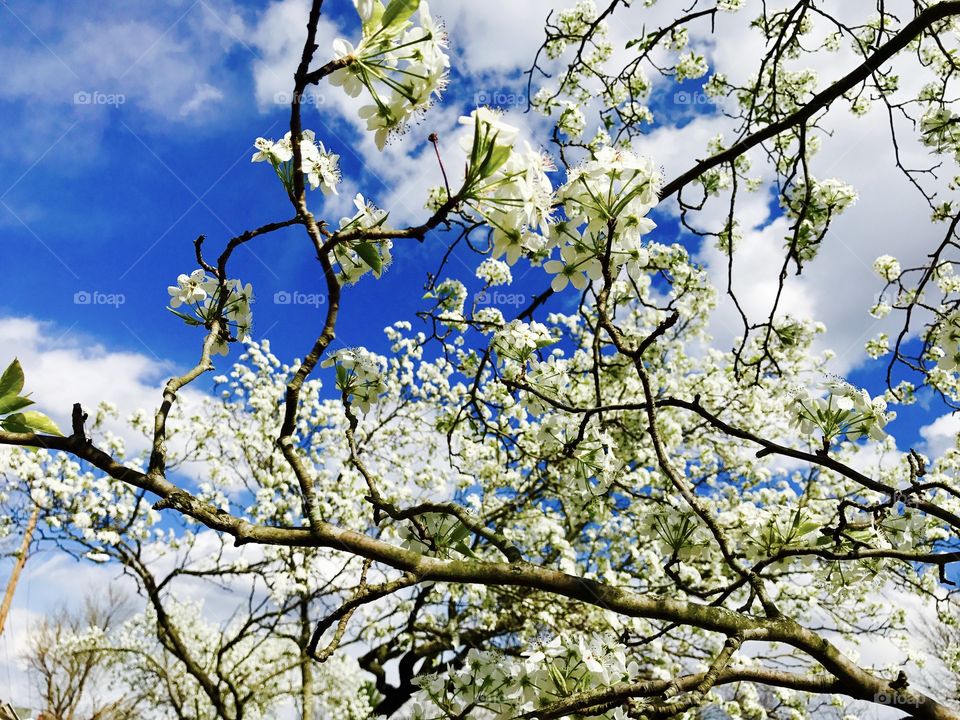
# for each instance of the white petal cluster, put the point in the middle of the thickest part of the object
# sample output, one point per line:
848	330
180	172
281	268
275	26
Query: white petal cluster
508	187
359	375
813	205
519	340
845	411
320	167
605	201
494	272
496	686
201	295
355	259
402	65
948	343
887	267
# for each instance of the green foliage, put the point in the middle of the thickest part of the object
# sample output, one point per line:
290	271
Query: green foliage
11	401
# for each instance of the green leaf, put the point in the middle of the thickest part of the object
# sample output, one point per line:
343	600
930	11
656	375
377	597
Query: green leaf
342	377
40	422
12	403
186	318
475	148
805	528
464	550
11	382
369	254
375	17
460	531
15	423
399	11
498	157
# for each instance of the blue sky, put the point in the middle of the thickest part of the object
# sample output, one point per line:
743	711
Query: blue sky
119	222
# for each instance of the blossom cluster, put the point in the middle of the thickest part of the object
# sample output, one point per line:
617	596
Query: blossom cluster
320	167
494	685
887	267
940	129
845	411
508	187
948	343
605	201
519	340
401	65
208	299
359	375
354	259
494	272
595	456
812	205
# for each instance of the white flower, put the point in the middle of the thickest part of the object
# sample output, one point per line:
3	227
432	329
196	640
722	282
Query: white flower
359	375
887	267
574	267
493	120
275	152
402	66
203	293
321	168
188	290
494	272
572	122
519	340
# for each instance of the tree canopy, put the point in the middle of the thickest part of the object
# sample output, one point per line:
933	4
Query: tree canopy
574	504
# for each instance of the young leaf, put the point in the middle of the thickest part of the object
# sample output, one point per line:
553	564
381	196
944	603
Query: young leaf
342	377
11	382
460	531
186	318
497	158
399	11
464	550
15	423
40	422
12	403
369	254
376	17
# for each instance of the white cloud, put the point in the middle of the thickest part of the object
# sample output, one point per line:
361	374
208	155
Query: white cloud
940	435
63	367
204	96
155	57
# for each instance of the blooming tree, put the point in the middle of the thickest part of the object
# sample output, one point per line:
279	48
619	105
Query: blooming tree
596	512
